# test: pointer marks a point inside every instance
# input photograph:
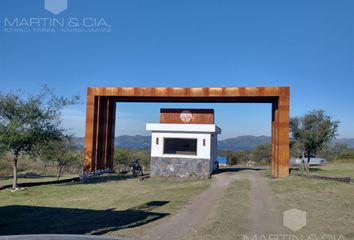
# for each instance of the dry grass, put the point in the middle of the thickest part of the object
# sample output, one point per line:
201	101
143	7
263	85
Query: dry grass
113	205
329	205
336	169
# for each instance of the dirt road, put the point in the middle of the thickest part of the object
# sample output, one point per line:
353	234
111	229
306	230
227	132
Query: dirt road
191	216
265	216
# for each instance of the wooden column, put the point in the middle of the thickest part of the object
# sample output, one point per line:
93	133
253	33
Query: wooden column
283	132
110	133
280	135
99	135
90	132
274	139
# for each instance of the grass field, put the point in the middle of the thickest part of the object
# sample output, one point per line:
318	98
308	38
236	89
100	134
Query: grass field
336	169
120	205
112	205
329	205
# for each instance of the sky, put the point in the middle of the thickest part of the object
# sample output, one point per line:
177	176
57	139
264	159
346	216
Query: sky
307	45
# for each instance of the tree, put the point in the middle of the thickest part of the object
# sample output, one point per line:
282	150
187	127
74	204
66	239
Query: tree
28	122
61	151
66	154
338	149
122	159
45	154
232	158
312	132
263	153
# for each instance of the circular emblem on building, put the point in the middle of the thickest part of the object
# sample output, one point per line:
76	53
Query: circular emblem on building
186	116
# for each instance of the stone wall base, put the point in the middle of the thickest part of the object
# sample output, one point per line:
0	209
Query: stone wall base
180	167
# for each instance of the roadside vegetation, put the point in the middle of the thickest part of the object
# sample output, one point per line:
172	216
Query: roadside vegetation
34	169
262	155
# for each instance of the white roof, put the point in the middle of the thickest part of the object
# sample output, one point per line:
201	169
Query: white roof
170	127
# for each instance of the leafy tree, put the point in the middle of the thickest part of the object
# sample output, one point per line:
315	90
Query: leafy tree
348	153
45	154
238	157
244	156
334	152
338	149
61	151
122	159
263	153
326	152
28	122
232	158
312	132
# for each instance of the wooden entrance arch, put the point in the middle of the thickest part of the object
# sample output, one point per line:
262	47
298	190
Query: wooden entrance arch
101	111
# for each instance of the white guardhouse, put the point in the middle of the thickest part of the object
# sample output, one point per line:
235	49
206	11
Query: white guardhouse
184	143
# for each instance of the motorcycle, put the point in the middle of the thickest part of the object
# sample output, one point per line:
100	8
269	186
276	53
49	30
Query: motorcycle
136	168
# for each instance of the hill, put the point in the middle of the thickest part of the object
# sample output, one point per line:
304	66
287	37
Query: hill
243	142
133	142
124	141
348	141
247	142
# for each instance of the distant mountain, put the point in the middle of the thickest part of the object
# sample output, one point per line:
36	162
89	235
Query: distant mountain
243	142
248	142
348	141
134	142
123	141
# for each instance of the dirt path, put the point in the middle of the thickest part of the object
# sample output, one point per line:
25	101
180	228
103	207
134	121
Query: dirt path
193	215
265	215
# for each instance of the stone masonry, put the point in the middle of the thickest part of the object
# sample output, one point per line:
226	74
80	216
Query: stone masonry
180	167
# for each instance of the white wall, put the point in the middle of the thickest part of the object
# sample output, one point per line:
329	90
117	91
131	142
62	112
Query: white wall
202	151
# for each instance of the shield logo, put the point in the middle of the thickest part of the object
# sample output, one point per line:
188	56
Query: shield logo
294	219
56	6
186	116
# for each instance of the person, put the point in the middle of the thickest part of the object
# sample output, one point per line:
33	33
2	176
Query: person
136	164
136	168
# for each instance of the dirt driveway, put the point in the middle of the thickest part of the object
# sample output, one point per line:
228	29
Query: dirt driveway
264	218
